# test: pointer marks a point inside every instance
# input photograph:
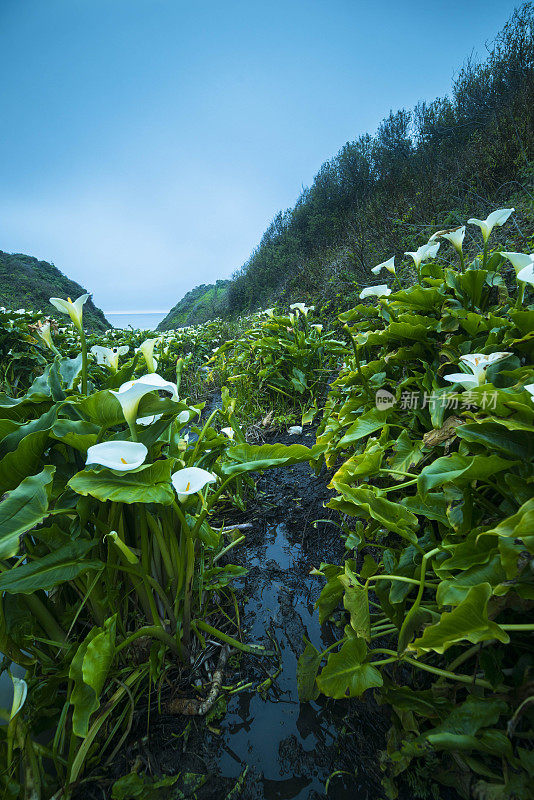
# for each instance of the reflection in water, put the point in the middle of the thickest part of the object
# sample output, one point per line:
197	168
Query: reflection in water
279	736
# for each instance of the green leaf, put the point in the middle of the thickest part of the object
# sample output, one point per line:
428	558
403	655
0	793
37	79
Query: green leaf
368	503
25	460
514	444
249	457
469	620
88	670
150	484
307	668
459	470
356	602
50	570
78	434
372	421
346	674
23	509
519	526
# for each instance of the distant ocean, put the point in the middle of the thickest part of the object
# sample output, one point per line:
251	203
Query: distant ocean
145	320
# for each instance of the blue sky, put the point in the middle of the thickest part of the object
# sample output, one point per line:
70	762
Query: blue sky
146	144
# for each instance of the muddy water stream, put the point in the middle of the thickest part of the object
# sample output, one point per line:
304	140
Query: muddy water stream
278	736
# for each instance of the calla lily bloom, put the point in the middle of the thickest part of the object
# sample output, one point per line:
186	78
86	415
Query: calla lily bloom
302	308
269	312
318	327
122	456
423	253
20	692
295	430
455	237
375	291
73	309
147	349
527	274
190	481
530	388
498	217
44	332
478	364
389	265
229	432
131	392
109	356
519	260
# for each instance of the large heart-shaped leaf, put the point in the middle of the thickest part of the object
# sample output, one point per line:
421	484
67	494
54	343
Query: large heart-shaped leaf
346	674
150	484
469	620
460	470
249	457
23	509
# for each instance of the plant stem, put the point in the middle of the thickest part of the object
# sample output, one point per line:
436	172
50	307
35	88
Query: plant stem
84	360
223	637
154	632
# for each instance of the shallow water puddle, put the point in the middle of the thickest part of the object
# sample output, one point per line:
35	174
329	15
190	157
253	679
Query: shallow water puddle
278	737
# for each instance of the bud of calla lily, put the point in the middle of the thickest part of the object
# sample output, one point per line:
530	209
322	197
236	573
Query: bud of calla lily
389	265
423	253
73	309
498	217
478	364
375	291
190	481
121	456
127	552
147	349
20	692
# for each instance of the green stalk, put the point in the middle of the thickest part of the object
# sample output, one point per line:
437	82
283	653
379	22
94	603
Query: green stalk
223	637
154	632
162	544
45	618
413	610
84	359
443	673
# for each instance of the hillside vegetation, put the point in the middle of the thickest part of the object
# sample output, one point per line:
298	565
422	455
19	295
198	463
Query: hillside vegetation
29	283
200	304
424	169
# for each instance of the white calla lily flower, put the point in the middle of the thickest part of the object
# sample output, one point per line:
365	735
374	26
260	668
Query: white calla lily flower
526	275
519	260
530	388
44	332
147	350
424	253
302	308
498	217
73	309
130	394
389	265
229	432
318	328
109	356
375	291
20	693
190	481
295	430
455	237
478	364
123	456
